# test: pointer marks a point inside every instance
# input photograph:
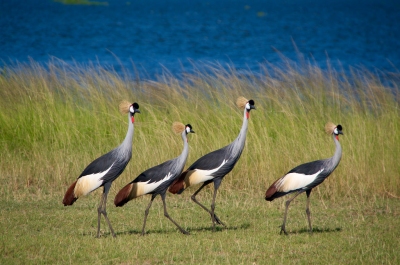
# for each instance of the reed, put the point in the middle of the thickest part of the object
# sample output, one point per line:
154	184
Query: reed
55	120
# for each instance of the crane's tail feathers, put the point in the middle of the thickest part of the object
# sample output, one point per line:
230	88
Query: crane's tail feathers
269	195
123	196
69	197
178	186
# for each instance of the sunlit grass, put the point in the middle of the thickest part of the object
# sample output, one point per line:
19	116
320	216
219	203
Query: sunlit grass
54	121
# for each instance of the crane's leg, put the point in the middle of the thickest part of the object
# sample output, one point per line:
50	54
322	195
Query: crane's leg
167	215
308	192
102	210
283	229
146	212
213	216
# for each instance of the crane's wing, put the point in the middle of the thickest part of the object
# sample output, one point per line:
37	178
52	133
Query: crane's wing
156	173
106	168
303	177
211	160
153	180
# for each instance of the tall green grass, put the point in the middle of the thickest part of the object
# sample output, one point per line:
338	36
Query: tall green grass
55	120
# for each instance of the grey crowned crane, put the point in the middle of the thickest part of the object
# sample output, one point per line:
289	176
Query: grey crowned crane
156	180
212	167
305	177
105	169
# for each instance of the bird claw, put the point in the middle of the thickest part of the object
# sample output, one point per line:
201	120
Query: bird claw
185	232
283	230
217	220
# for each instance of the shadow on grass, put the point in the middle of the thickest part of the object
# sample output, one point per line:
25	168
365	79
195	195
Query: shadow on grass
316	230
190	230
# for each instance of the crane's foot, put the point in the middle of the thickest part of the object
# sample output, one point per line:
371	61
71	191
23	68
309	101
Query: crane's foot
283	230
218	221
185	232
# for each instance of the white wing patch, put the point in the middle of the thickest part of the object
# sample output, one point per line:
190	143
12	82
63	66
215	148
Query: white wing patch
149	187
294	181
89	183
201	175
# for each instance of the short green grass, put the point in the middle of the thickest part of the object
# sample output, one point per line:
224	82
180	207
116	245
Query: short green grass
45	232
54	121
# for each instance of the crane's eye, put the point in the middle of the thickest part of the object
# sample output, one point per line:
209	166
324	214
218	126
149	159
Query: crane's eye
335	131
131	109
247	105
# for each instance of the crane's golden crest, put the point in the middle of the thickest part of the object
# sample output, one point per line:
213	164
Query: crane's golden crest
178	127
124	106
329	127
241	102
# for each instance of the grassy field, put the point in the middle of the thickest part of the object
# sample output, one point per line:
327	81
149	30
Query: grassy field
54	122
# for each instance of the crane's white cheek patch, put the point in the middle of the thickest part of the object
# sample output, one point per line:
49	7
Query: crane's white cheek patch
89	183
294	181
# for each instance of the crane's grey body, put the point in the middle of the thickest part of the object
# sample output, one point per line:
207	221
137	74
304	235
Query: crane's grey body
155	181
304	178
220	162
214	166
312	174
103	171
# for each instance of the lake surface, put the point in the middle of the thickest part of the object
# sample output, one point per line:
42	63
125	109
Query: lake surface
177	36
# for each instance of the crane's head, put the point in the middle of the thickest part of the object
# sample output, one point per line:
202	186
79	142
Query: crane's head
333	129
243	103
179	128
188	128
131	108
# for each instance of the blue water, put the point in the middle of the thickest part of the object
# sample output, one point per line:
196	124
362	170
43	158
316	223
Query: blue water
154	36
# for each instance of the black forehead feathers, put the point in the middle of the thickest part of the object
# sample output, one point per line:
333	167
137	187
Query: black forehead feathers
339	127
135	105
251	102
188	125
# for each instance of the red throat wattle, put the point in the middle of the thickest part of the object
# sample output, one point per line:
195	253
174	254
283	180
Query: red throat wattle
337	137
133	119
247	114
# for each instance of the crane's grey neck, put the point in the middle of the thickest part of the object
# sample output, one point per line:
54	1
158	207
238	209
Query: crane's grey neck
335	159
126	146
238	144
182	158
